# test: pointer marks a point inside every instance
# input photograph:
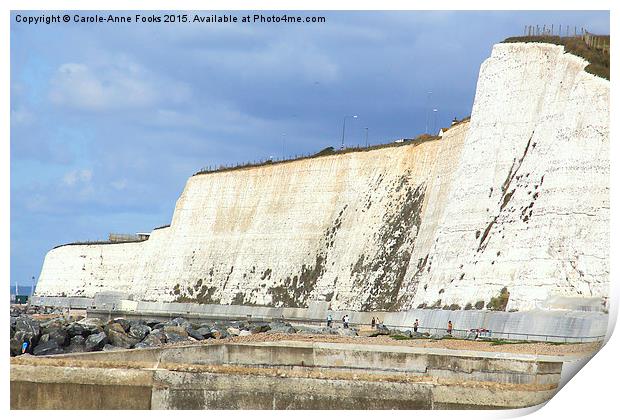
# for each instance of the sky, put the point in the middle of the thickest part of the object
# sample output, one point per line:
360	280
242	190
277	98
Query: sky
108	121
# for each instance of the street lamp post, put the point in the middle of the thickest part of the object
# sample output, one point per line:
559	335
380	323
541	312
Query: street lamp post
344	122
366	128
283	145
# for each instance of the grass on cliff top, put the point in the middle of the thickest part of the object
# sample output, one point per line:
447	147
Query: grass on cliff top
599	60
328	151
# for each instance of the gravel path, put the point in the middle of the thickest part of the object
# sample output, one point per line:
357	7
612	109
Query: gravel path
453	344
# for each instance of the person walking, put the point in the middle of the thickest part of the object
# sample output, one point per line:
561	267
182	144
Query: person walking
415	326
373	323
449	327
329	320
345	321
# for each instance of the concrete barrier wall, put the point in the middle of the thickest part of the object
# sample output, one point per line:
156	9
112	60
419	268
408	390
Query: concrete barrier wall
283	376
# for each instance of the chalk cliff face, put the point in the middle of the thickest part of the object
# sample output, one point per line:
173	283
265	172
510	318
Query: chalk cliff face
517	198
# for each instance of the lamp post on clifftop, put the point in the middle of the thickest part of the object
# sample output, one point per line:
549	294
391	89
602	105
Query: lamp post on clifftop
344	122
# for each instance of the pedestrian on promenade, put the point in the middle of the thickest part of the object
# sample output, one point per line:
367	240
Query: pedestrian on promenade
415	326
345	321
449	327
329	320
373	323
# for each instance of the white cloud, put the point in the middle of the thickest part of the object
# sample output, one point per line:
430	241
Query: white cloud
120	184
124	84
82	176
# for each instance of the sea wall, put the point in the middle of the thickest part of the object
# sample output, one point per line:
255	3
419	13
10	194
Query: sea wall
284	375
516	198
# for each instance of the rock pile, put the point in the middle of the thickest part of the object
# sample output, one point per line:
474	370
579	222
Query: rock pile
70	335
63	334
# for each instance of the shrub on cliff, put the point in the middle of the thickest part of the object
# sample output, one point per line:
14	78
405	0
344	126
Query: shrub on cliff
500	302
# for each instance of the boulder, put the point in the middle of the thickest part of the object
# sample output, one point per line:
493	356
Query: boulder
194	334
92	325
76	329
180	322
122	322
178	330
28	325
306	329
151	323
281	327
46	348
205	332
232	331
96	342
159	334
374	332
52	324
219	333
16	347
115	326
347	332
139	331
151	340
244	333
259	328
26	336
60	336
121	339
76	345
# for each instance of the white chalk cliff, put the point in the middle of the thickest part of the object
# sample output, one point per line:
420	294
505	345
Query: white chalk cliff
516	198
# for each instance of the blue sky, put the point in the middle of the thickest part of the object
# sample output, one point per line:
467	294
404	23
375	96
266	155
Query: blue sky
108	121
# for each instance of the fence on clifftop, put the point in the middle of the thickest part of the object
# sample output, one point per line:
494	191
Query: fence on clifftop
598	42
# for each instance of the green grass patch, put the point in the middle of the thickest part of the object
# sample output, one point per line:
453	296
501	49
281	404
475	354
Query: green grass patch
401	337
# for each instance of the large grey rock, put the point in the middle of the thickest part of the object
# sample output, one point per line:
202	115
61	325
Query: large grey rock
26	336
181	322
121	339
76	345
233	331
219	333
47	348
96	341
194	334
28	325
52	324
151	323
259	328
60	336
139	331
374	332
92	325
151	340
77	329
347	332
205	332
306	329
173	329
281	327
123	323
15	347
